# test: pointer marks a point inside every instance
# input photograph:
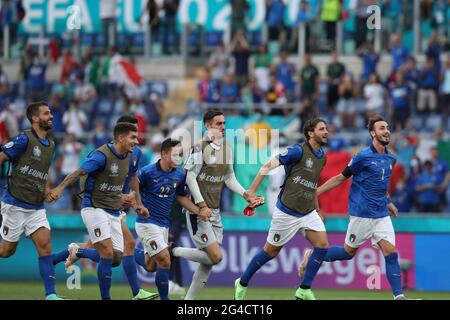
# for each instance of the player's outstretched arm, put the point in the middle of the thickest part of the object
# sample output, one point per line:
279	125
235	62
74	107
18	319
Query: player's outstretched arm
331	184
140	209
265	169
204	213
232	183
56	192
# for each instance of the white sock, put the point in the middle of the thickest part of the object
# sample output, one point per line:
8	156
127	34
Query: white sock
199	280
193	255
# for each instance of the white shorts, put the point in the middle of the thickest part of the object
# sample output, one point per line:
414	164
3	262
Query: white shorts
361	229
153	237
204	233
17	220
284	226
101	226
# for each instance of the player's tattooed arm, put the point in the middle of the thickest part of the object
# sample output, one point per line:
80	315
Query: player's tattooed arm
48	187
331	184
204	213
393	211
56	192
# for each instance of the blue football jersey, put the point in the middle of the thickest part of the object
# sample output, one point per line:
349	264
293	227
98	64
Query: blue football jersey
371	172
158	191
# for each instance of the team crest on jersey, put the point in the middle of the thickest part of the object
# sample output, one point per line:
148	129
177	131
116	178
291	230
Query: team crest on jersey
5	230
114	168
153	245
204	237
309	163
352	238
284	153
37	152
276	237
9	145
97	232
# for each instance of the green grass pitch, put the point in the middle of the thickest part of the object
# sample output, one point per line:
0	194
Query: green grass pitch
34	291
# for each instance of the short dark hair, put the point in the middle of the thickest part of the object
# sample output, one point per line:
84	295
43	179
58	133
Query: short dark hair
374	119
210	114
310	125
168	144
123	129
127	119
33	109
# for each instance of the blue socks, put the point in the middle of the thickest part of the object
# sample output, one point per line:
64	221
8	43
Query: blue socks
162	283
47	272
394	274
89	253
257	262
337	253
139	257
60	256
129	267
104	274
314	263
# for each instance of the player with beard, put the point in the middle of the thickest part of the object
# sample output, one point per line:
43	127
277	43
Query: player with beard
369	204
296	208
22	208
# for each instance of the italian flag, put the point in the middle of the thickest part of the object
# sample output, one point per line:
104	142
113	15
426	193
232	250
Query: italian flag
122	72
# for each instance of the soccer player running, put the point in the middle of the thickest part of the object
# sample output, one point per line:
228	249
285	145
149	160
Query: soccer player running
107	169
22	207
370	204
296	208
160	183
210	166
77	250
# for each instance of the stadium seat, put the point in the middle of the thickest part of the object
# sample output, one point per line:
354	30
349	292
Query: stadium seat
194	38
255	38
87	39
159	87
105	107
99	41
213	38
416	122
432	122
122	40
137	42
118	107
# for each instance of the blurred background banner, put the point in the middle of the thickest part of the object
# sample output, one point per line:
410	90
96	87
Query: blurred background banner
214	15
